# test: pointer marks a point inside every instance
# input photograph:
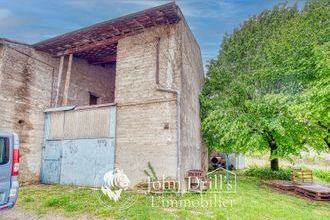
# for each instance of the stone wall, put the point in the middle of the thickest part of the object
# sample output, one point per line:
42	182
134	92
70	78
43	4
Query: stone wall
26	81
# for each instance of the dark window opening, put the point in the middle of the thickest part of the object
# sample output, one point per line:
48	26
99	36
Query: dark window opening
4	150
93	99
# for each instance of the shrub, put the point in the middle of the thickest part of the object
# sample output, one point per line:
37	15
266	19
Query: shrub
322	174
268	174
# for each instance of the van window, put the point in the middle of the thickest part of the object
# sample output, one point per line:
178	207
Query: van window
4	150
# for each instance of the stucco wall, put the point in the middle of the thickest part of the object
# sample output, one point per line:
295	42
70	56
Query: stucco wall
143	112
25	92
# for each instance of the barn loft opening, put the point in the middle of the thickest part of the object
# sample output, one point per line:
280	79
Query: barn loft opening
88	56
93	99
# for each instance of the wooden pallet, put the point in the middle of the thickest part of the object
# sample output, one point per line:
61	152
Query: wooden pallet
280	184
314	191
302	176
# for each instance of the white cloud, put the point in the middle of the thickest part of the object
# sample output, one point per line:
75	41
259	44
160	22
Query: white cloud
10	23
8	19
4	14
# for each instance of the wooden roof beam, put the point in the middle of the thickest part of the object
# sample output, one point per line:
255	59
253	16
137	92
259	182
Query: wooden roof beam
90	46
106	59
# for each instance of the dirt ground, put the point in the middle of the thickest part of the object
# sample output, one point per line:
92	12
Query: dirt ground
18	213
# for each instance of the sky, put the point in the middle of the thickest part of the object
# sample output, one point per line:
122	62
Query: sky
31	21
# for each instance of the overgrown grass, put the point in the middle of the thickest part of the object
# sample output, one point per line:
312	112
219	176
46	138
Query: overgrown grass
267	174
251	201
324	175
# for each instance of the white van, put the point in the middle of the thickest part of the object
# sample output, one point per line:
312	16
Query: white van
9	166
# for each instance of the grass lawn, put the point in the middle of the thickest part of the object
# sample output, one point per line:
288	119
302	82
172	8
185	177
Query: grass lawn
251	201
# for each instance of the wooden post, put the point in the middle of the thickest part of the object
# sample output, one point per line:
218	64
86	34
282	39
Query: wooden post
67	82
59	79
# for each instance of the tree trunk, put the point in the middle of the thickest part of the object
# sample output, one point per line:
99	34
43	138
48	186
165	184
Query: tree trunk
273	162
273	148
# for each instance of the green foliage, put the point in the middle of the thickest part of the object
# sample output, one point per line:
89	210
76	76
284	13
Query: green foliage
151	172
267	174
269	86
322	174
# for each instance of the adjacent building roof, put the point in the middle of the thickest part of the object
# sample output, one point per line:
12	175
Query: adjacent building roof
99	42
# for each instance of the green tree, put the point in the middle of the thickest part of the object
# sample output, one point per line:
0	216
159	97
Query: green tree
268	89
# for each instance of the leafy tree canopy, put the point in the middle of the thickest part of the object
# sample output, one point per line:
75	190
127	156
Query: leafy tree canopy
268	89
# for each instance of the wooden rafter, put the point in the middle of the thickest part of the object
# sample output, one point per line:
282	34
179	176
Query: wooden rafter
105	59
98	40
90	46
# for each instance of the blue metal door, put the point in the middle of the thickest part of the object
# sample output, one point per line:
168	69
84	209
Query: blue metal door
77	159
51	157
85	161
51	164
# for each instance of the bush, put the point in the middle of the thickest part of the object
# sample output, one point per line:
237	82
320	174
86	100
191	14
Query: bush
322	174
267	174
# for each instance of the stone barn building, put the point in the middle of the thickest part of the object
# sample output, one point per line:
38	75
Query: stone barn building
119	93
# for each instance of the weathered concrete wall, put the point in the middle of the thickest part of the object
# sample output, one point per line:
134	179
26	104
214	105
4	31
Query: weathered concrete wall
141	136
25	92
143	112
192	150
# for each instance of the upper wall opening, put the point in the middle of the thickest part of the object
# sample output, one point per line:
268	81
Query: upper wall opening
97	46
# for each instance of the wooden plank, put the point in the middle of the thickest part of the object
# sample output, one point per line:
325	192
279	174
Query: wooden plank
67	81
59	79
279	184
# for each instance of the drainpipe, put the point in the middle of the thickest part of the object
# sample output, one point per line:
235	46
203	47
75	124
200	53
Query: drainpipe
160	88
